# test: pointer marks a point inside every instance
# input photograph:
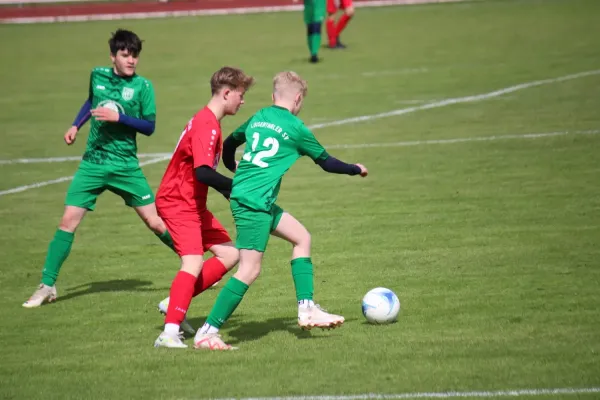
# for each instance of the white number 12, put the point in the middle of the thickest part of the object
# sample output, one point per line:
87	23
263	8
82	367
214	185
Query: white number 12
270	143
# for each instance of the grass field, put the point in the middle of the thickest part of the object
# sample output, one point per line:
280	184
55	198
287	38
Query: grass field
491	242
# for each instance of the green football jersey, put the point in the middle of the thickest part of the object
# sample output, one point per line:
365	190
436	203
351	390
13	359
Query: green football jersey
275	139
114	143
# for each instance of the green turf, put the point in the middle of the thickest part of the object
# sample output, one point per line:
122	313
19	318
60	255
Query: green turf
492	246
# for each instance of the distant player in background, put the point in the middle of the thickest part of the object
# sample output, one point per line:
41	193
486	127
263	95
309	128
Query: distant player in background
335	29
314	13
275	139
181	201
120	104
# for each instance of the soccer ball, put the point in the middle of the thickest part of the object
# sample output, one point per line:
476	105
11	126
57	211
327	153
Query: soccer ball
380	306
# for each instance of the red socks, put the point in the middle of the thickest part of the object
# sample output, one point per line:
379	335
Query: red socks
342	24
331	32
212	272
334	30
180	297
185	286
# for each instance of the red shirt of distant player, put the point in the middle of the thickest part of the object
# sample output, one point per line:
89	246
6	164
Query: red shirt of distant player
200	144
181	199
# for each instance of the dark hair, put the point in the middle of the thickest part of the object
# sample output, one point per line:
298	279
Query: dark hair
125	40
233	78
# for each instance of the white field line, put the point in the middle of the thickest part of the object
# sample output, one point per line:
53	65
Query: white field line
158	157
67	178
166	156
440	395
428	106
457	100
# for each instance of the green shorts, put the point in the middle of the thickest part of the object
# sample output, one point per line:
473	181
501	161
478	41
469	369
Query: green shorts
254	227
314	11
91	180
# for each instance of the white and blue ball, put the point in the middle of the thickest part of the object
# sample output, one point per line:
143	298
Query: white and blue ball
380	306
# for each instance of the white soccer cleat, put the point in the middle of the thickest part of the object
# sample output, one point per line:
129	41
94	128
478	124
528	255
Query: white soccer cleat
316	317
43	294
211	341
163	306
170	341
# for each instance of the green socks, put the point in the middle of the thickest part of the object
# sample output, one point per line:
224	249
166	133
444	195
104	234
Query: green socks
58	251
227	301
302	272
314	42
166	239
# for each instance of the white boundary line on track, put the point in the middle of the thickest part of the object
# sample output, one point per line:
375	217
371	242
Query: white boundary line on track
363	118
439	395
193	13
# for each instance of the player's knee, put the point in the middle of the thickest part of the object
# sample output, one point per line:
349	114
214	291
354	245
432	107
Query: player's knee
231	258
349	11
248	272
303	240
70	221
192	264
155	224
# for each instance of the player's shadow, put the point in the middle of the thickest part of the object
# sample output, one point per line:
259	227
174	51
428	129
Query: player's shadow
117	285
246	331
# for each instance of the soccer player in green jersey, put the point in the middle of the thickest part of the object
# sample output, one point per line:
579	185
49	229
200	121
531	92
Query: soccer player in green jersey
314	14
275	138
120	104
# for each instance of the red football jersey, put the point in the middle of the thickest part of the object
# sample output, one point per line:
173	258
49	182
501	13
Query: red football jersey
200	144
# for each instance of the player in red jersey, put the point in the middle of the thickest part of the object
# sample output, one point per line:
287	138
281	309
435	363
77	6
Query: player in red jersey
181	201
334	29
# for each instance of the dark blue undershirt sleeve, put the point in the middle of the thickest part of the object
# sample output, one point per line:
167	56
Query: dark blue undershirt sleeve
140	125
335	166
84	114
229	146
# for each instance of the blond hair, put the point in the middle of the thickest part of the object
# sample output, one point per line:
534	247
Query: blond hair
289	83
231	77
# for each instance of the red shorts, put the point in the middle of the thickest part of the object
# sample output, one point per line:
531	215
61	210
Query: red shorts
195	233
334	5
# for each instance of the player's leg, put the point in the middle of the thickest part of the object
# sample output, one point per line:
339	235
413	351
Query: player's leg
330	23
314	12
348	8
216	240
149	215
252	237
226	256
187	238
309	314
133	187
87	184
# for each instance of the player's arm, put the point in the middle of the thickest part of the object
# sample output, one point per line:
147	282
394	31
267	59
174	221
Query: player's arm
210	177
310	146
84	114
333	165
144	125
230	145
82	117
203	153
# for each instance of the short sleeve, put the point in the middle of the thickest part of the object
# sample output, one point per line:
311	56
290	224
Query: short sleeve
148	102
204	141
308	145
239	134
